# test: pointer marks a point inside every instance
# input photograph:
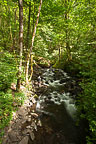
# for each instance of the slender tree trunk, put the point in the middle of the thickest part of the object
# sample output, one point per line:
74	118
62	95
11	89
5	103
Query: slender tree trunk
31	68
67	32
33	16
34	32
28	30
68	45
14	34
20	42
7	7
59	53
33	36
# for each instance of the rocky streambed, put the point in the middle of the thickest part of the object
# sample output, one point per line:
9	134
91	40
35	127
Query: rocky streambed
48	116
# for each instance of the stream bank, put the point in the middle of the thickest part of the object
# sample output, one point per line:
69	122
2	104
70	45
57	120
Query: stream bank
51	117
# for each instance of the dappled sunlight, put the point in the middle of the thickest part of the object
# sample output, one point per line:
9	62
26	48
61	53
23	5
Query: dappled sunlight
48	71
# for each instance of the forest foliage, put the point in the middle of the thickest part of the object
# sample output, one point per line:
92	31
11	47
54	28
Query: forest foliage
65	38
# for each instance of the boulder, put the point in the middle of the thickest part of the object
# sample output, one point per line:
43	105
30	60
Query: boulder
32	135
24	140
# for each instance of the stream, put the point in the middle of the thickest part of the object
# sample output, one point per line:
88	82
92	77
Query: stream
57	110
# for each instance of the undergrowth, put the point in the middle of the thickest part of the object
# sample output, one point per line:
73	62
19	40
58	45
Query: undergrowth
7	98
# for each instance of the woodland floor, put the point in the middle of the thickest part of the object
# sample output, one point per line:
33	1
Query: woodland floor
25	120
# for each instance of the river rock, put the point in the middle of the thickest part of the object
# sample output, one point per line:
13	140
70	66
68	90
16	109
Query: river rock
13	136
34	114
24	121
30	104
26	103
29	119
39	123
29	116
24	140
28	127
26	131
33	100
32	135
22	111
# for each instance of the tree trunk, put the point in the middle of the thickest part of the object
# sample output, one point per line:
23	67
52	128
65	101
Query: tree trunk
28	30
33	15
33	36
59	53
20	43
14	33
67	32
31	68
68	45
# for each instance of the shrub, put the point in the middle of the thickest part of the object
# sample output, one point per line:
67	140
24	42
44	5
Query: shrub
7	70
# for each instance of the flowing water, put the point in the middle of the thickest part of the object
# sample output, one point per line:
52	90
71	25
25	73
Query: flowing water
57	110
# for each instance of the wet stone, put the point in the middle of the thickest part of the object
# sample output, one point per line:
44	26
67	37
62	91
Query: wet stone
28	109
35	127
29	119
30	104
39	123
34	114
33	124
22	112
24	140
26	131
32	135
23	121
28	127
33	100
13	136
